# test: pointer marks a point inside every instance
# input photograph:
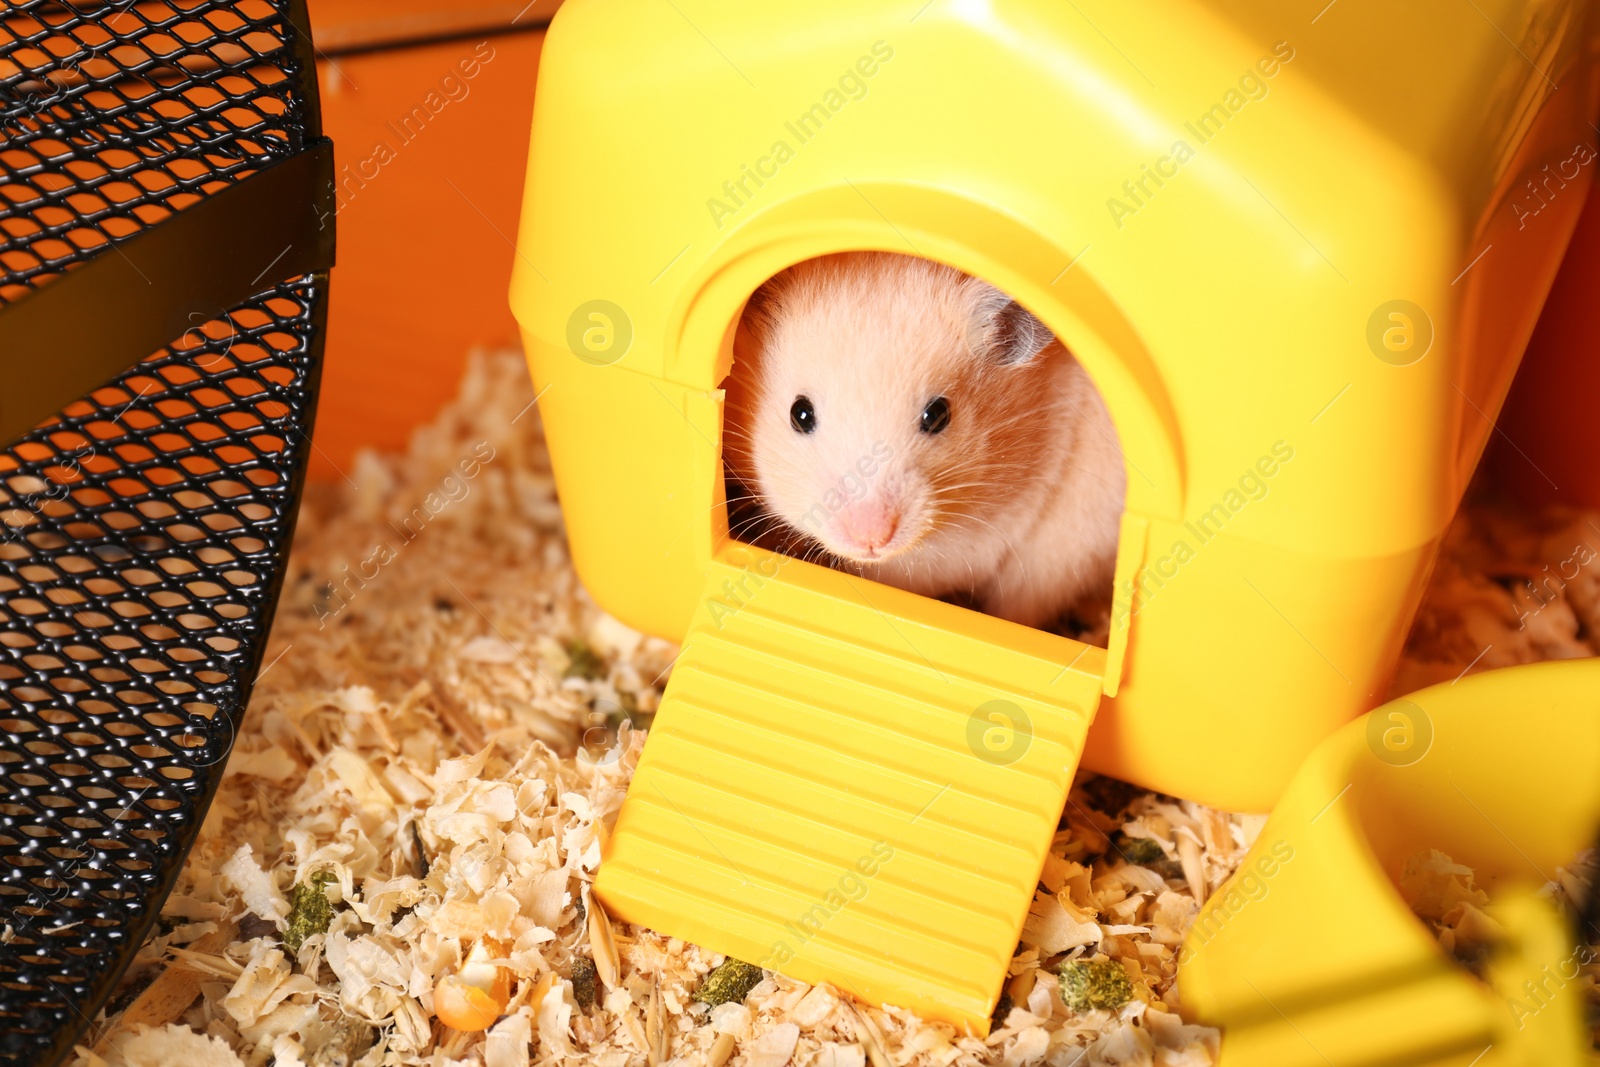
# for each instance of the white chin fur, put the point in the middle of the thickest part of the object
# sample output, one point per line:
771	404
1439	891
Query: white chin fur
893	550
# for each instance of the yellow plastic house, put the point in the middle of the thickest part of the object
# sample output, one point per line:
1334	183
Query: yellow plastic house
1290	246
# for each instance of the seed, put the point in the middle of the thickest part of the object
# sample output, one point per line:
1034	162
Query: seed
654	1032
601	942
583	977
476	995
1194	865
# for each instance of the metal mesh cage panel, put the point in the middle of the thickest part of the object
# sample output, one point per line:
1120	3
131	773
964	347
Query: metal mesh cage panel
144	527
117	114
143	533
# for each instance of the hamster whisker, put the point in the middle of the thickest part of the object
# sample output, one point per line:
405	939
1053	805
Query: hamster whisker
742	498
743	531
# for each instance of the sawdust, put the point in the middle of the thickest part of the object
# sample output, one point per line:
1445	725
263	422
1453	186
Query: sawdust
444	729
1510	587
1445	895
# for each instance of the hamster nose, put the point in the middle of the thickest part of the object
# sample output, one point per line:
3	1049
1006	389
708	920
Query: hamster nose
869	524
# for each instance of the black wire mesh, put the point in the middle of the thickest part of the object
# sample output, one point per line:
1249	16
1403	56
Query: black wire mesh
117	114
144	534
144	528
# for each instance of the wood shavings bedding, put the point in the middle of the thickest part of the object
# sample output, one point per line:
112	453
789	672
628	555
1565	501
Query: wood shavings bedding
445	727
1445	895
1510	587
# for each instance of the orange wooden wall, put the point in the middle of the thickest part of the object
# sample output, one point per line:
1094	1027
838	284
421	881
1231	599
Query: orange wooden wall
430	147
1547	446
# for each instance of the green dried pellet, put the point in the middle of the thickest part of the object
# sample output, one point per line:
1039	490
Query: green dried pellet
582	662
1142	851
583	978
729	983
1146	852
1101	983
309	911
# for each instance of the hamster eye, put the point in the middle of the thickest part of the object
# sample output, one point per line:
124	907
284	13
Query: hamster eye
936	416
802	416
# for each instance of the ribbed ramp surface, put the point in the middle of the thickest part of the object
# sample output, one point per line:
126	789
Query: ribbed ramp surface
852	784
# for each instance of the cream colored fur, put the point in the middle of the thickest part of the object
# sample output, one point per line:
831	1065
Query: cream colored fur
1015	505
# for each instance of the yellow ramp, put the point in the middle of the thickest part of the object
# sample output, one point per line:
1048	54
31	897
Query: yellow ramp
848	783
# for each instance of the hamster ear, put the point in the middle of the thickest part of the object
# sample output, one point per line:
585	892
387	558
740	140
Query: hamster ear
1002	331
758	310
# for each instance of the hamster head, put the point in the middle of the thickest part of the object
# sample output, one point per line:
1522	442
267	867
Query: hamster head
881	403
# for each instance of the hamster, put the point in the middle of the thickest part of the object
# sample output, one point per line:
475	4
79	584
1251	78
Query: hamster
915	425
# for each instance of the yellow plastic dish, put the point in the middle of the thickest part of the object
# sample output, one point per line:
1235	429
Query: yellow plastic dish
1310	956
